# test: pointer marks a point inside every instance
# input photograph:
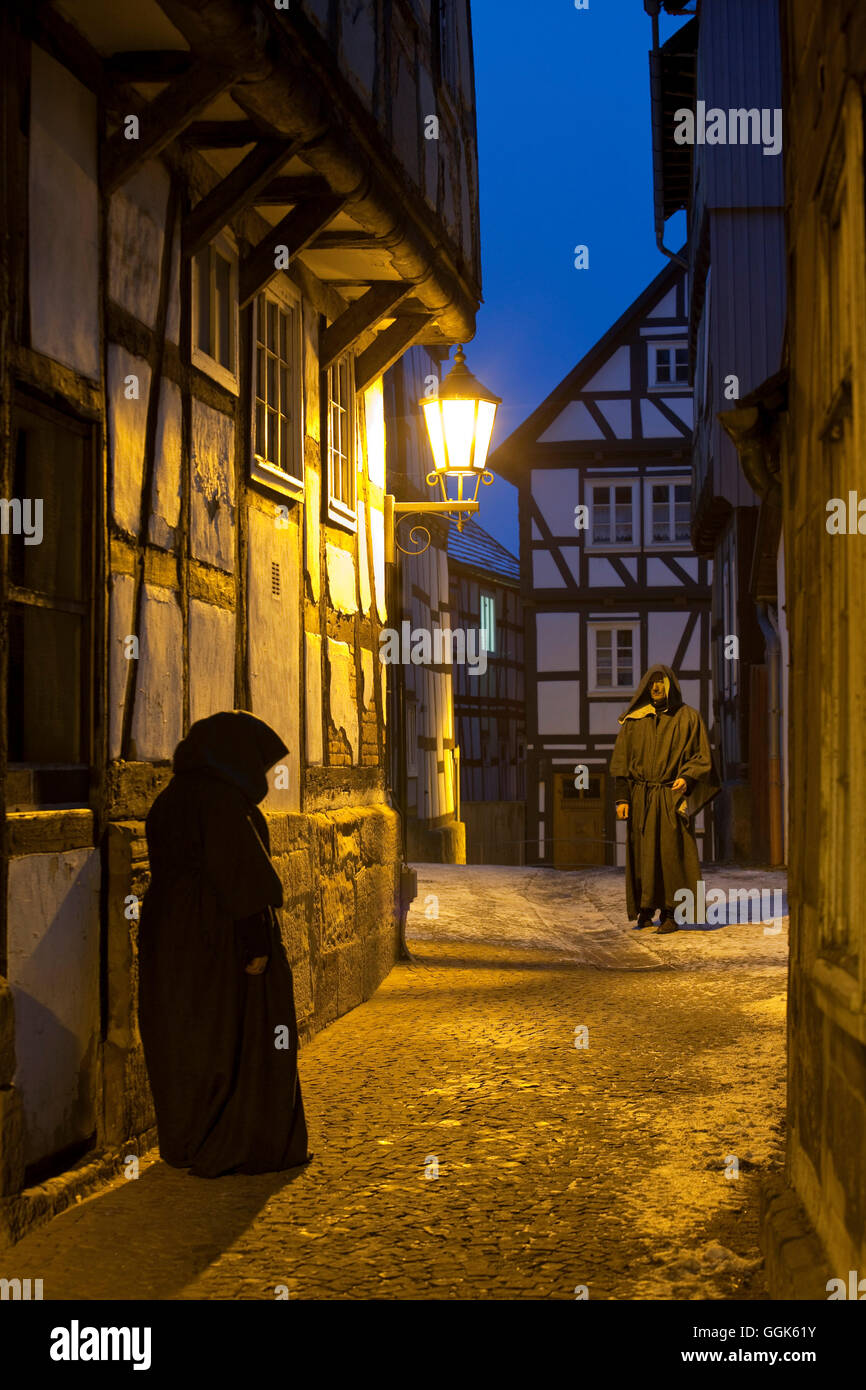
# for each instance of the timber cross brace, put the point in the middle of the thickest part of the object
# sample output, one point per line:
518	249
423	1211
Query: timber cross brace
292	138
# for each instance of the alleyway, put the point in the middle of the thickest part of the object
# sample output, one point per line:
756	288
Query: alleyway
558	1166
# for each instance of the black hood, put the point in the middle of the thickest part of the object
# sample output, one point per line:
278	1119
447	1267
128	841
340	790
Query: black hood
643	698
235	746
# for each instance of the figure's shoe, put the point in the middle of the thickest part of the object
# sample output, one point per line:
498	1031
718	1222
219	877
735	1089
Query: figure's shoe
667	924
644	919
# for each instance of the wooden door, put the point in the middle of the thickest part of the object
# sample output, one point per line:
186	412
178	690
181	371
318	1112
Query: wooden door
578	821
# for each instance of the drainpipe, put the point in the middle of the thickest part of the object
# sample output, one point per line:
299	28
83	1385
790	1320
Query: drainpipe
768	623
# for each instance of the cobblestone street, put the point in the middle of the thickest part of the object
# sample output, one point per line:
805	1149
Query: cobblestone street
558	1165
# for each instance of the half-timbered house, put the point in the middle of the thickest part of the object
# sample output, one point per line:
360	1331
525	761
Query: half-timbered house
726	59
489	708
222	222
609	579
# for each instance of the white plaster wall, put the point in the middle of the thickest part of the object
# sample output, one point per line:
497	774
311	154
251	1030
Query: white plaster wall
211	659
313	703
368	673
557	637
604	714
363	560
312	533
603	574
122	592
545	574
664	631
54	973
157	721
165	506
612	375
341	702
275	643
63	217
574	422
559	707
127	421
555	492
136	227
340	565
212	511
358	47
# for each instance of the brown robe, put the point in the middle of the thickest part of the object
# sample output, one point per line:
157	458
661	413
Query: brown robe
652	750
227	1098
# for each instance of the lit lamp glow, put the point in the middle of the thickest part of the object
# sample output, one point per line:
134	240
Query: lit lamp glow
460	425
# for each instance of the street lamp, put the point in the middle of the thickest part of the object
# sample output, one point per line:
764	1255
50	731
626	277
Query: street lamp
459	422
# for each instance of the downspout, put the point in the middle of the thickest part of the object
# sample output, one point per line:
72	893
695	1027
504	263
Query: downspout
768	623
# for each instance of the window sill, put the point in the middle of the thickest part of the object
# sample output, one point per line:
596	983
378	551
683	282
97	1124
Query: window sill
216	371
338	515
272	477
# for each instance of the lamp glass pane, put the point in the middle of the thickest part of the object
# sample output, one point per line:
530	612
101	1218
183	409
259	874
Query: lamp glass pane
459	425
483	431
433	417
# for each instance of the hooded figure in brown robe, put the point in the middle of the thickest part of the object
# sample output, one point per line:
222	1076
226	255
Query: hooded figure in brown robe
663	771
216	998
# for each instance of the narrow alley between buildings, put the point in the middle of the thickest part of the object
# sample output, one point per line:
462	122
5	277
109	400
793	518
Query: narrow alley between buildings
542	1103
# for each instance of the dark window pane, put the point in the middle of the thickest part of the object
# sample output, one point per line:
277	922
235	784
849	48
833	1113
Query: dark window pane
49	470
223	352
45	683
203	324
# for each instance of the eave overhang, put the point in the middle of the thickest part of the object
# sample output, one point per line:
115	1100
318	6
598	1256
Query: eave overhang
672	86
247	101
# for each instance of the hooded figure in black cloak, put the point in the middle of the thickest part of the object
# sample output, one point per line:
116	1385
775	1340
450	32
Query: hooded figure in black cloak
663	771
216	998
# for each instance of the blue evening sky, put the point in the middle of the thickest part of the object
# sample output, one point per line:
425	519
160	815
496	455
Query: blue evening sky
565	154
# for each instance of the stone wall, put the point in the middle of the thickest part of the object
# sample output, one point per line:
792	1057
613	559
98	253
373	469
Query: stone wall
340	921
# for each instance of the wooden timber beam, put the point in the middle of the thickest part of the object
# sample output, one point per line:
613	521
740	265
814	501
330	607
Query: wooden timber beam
221	135
350	241
293	188
161	121
236	191
295	231
324	298
149	65
390	344
360	316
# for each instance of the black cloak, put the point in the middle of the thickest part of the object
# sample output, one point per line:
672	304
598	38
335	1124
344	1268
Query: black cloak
221	1046
652	750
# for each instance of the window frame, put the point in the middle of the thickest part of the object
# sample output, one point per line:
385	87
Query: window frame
89	609
653	383
262	470
225	245
338	510
599	625
670	481
591	545
487	600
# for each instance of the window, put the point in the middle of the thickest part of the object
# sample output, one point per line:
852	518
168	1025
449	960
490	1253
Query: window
341	442
668	513
613	654
215	312
277	446
612	514
488	623
411	738
49	569
668	364
728	650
